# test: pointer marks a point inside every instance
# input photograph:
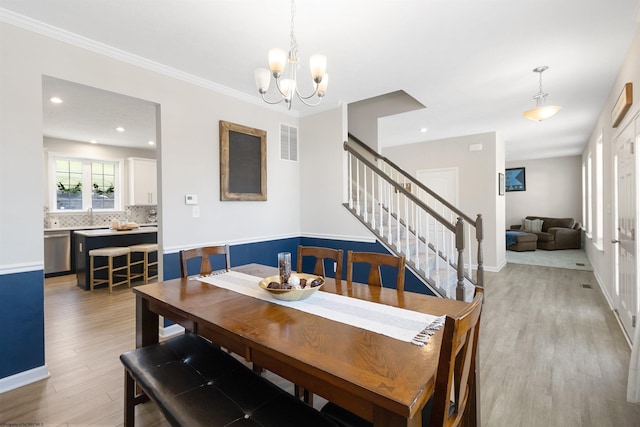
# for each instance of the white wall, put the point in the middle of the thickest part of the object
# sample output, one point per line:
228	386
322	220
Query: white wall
188	151
322	175
478	181
603	260
554	189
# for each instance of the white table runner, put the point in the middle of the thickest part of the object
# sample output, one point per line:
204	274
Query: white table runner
399	323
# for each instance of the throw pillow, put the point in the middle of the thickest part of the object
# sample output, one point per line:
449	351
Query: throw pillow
532	225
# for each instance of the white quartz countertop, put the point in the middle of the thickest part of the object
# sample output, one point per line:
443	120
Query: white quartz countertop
109	232
91	227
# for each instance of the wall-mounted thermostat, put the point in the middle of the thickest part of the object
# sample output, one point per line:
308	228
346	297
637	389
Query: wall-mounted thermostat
191	199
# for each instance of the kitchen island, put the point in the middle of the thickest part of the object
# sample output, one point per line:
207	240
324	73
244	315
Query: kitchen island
86	240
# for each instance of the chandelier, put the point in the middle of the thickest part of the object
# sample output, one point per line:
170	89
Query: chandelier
285	74
541	112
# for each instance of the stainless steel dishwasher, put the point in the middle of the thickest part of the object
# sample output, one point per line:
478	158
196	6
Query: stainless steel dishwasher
57	251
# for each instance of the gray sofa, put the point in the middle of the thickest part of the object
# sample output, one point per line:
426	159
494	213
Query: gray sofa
556	233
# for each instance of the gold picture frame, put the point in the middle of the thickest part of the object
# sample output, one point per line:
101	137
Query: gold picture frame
243	163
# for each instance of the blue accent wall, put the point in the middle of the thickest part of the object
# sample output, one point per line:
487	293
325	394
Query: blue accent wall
360	271
266	253
22	312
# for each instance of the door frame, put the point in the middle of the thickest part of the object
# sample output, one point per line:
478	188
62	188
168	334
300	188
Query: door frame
634	125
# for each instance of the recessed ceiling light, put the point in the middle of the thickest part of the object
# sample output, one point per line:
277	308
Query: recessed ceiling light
55	100
93	141
151	143
423	130
120	129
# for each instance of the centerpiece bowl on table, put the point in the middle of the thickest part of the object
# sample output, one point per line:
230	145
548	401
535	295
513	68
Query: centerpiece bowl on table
292	294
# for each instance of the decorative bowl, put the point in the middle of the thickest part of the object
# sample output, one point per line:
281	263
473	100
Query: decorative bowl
290	294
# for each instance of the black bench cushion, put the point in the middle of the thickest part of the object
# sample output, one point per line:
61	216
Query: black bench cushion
196	383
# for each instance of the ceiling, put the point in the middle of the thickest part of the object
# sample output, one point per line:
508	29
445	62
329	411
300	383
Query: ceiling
469	62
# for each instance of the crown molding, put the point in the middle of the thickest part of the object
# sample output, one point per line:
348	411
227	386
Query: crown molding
82	42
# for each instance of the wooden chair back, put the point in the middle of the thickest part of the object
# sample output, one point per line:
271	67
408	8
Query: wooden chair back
457	361
320	254
375	260
203	253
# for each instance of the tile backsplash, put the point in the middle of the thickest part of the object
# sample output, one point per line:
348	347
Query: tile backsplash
139	214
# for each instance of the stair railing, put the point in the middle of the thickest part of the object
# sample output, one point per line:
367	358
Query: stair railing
415	221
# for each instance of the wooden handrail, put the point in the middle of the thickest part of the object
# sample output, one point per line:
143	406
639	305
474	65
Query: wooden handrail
400	189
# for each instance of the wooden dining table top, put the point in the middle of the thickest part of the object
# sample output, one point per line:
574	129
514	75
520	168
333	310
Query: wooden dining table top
380	378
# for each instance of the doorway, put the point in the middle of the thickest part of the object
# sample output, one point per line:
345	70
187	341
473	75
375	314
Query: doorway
625	220
102	136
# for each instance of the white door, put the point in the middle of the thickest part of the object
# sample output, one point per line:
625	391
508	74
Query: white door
626	225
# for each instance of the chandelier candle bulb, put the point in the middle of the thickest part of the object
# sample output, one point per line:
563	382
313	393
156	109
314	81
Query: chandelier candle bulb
263	79
277	61
318	67
322	87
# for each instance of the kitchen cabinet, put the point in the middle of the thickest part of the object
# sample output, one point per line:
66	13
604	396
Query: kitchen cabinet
143	181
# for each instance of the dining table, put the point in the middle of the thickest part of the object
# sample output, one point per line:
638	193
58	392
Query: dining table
380	378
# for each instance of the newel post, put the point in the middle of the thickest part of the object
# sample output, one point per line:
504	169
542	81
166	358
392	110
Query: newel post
460	248
479	238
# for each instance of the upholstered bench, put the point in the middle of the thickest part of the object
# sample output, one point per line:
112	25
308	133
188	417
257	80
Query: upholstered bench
196	383
523	241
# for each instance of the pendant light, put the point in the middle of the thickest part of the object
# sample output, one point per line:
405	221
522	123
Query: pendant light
541	112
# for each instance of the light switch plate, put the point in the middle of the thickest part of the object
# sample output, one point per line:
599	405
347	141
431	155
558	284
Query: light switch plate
191	199
196	211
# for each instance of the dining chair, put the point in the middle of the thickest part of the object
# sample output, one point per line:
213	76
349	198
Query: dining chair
320	254
205	263
376	260
456	361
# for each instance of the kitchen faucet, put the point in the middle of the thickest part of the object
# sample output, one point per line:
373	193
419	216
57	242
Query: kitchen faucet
90	211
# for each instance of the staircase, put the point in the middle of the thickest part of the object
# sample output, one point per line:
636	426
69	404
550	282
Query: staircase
442	245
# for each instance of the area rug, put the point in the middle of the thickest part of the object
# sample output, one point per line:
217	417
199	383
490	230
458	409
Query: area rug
575	259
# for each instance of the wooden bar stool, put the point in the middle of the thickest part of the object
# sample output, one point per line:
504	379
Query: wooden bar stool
112	272
149	269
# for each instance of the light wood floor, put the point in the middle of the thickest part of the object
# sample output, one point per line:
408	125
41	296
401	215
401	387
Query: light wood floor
551	354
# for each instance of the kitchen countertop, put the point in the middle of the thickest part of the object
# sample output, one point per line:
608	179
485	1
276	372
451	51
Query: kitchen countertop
109	232
94	227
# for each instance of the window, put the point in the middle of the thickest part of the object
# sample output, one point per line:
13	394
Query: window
103	179
68	184
589	217
599	200
80	184
585	209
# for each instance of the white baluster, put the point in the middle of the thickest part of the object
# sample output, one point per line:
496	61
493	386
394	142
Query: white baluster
357	186
350	173
365	190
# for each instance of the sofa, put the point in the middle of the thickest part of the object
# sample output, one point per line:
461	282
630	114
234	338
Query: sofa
553	233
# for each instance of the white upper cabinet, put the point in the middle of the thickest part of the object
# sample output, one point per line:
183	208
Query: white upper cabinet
143	181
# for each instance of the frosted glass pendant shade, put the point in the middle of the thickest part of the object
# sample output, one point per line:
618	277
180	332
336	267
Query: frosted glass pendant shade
541	113
263	79
318	67
277	61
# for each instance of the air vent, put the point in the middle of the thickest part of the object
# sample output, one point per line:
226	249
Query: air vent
586	286
580	264
288	142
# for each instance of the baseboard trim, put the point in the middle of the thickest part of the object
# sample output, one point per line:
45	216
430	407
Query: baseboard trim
23	378
607	297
